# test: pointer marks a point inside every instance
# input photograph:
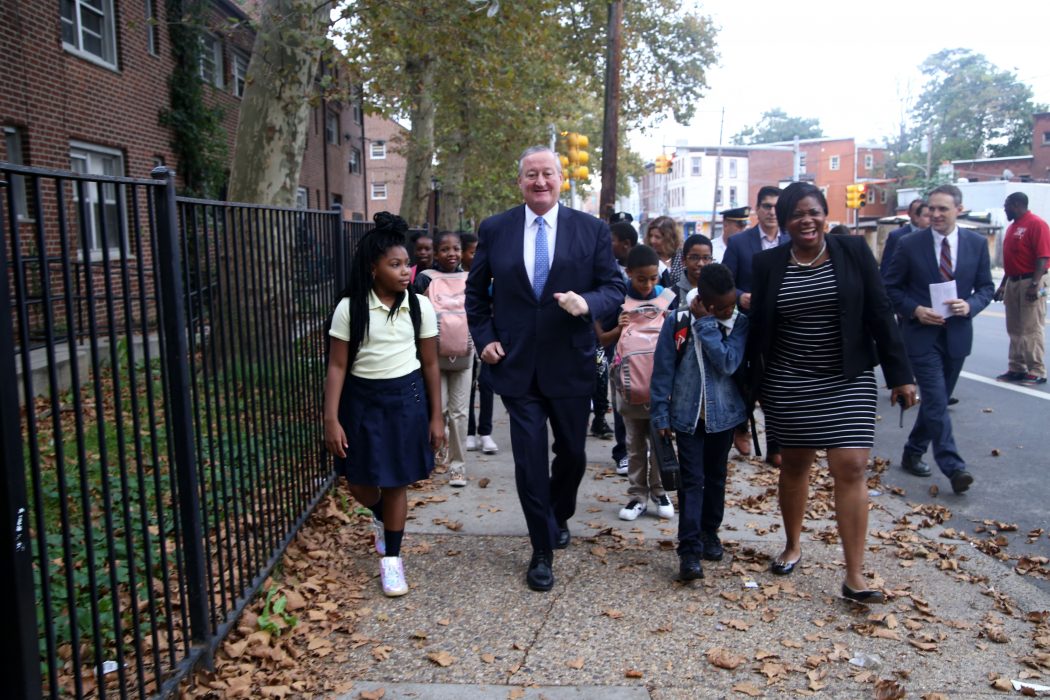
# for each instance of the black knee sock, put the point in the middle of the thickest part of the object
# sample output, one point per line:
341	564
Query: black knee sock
393	542
377	508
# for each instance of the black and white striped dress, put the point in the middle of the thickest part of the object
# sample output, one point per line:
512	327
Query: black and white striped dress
806	400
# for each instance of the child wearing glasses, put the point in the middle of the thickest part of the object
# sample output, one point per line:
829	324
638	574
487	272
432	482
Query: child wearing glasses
696	252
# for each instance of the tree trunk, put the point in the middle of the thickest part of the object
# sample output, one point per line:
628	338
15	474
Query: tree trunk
420	149
271	139
454	166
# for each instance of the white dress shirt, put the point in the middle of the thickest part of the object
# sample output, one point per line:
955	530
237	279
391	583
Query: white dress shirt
718	249
531	227
953	244
769	244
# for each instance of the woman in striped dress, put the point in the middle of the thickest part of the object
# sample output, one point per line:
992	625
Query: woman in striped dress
820	322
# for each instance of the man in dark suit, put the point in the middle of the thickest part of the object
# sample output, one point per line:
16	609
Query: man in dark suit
938	340
744	245
540	274
920	219
739	251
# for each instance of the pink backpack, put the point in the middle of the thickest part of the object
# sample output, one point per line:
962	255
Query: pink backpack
632	368
447	294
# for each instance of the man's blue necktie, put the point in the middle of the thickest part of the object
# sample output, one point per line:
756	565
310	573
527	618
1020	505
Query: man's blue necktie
542	264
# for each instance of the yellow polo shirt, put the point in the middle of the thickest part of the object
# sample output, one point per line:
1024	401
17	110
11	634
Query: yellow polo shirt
389	349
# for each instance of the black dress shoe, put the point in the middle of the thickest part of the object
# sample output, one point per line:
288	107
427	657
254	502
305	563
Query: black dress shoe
562	541
690	569
952	401
961	481
712	546
784	568
865	597
540	577
913	464
601	429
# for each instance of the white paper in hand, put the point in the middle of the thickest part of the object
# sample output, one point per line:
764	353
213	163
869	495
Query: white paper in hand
940	294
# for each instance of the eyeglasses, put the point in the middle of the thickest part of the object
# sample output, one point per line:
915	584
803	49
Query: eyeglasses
699	258
767	206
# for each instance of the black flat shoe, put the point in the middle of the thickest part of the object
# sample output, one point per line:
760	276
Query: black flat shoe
866	597
540	577
690	568
784	568
562	540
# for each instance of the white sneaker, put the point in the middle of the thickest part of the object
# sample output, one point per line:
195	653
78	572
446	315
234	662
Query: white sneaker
664	509
378	536
457	476
623	466
488	445
632	510
472	443
392	574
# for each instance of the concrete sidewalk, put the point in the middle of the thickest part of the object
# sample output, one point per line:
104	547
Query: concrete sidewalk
618	624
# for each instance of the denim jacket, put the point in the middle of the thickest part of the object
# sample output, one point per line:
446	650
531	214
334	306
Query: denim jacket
675	391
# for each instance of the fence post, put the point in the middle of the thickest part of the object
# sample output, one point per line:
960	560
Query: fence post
339	249
18	641
180	411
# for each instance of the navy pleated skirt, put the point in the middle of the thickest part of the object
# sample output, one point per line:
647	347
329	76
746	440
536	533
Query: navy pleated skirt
387	425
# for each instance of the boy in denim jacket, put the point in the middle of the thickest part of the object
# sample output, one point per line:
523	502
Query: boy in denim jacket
694	394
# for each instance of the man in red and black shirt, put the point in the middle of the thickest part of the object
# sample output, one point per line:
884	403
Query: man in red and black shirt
1026	250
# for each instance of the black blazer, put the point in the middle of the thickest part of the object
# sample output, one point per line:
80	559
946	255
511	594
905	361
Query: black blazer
870	335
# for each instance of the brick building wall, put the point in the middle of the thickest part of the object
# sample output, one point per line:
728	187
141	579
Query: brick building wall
1041	147
384	164
766	166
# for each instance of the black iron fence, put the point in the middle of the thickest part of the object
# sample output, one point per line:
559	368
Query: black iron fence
161	370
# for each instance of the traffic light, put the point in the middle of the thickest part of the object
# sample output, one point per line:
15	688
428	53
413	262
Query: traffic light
863	190
853	196
662	165
574	156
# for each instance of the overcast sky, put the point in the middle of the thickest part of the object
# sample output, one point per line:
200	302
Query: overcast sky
849	64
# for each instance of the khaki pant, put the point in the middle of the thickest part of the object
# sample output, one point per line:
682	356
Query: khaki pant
1025	324
455	393
643	471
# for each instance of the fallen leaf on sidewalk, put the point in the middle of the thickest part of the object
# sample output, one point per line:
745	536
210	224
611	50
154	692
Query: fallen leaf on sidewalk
376	694
748	689
723	658
576	663
488	658
516	694
484	482
934	696
441	658
887	689
612	614
631	673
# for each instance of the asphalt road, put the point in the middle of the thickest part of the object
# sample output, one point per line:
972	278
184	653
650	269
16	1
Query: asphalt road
1013	487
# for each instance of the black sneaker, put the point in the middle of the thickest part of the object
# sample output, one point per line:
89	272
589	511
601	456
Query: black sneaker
601	429
1011	376
690	569
712	546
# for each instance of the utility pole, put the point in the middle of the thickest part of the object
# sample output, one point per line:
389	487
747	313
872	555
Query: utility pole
718	174
611	126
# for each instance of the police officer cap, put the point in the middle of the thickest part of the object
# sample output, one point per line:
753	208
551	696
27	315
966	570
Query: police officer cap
738	214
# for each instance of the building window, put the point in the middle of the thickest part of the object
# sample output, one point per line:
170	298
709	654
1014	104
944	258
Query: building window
88	30
732	196
882	196
302	198
732	173
152	28
1046	138
17	183
105	211
211	65
378	190
718	196
240	72
869	161
331	128
696	166
378	150
356	112
802	162
833	163
355	160
337	199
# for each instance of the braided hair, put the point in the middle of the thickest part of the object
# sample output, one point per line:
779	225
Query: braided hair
389	232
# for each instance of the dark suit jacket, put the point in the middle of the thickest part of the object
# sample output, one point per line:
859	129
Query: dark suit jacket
870	335
890	246
740	250
914	267
541	340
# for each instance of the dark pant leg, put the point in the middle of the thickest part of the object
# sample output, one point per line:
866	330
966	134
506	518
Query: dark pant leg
690	490
485	398
600	399
619	450
471	425
568	417
936	374
716	454
528	440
